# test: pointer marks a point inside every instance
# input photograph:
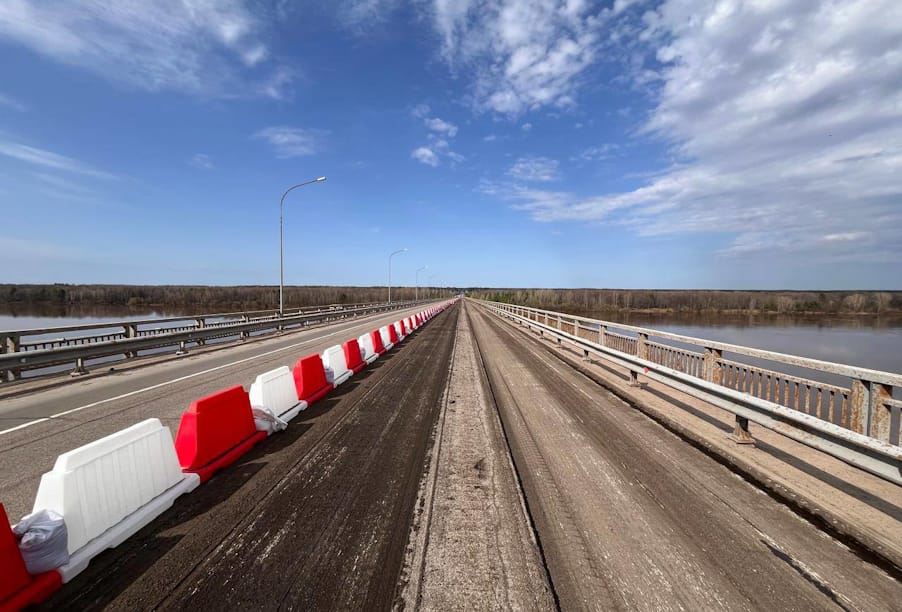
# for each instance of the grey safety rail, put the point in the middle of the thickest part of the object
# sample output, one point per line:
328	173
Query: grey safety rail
17	356
759	395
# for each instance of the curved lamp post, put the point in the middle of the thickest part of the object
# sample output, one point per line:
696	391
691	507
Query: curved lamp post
281	258
417	293
389	271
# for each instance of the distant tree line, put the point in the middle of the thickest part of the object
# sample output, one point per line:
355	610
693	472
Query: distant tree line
196	298
585	301
206	298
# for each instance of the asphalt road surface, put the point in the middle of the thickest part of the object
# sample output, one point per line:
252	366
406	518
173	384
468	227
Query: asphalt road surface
315	517
470	460
629	516
92	408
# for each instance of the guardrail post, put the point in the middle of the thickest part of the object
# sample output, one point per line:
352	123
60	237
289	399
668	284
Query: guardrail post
642	347
130	331
10	344
741	433
182	349
713	368
80	368
602	332
200	324
860	406
871	412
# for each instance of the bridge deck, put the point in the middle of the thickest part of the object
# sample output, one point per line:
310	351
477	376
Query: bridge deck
632	517
597	506
317	517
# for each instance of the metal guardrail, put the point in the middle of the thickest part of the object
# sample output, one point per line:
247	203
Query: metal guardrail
749	392
17	355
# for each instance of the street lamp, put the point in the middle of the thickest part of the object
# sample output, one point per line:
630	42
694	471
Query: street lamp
417	293
389	271
281	259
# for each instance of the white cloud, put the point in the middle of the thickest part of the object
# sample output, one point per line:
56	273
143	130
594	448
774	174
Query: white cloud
425	155
784	119
598	153
438	125
489	138
526	127
196	46
12	103
438	148
292	141
541	169
525	54
202	161
360	15
420	111
48	159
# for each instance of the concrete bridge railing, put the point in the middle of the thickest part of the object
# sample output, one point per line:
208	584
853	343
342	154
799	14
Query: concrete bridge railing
858	420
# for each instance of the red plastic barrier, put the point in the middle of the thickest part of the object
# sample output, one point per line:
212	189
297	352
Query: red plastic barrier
377	342
310	378
18	588
215	431
392	334
352	356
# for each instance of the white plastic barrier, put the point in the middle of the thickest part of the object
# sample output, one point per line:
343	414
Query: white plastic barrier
367	349
335	365
408	328
399	329
275	392
386	338
109	489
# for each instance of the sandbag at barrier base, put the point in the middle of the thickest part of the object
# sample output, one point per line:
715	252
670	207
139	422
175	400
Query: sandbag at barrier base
18	588
126	528
273	398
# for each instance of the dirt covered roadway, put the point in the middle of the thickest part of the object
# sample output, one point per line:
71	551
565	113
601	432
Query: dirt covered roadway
631	517
46	423
316	517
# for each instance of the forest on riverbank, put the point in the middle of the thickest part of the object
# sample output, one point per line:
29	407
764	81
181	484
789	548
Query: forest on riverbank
588	301
578	301
195	298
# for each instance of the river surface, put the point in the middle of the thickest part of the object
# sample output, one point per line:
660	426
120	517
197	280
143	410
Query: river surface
869	342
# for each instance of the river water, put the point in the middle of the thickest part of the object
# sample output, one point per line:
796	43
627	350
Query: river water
869	342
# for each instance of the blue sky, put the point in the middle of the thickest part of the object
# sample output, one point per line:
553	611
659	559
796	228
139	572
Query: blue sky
562	143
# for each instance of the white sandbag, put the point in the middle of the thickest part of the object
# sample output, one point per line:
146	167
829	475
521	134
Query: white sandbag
43	541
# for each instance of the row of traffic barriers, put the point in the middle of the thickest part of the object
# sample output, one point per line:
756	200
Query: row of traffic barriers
109	489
